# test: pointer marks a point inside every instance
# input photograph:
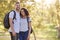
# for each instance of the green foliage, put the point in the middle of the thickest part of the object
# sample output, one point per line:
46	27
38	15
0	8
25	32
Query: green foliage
43	17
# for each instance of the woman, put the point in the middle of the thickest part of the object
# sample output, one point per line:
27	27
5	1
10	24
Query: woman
25	26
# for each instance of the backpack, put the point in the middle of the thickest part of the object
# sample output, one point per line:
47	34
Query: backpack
6	19
28	27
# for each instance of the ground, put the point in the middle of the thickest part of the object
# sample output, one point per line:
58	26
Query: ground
40	35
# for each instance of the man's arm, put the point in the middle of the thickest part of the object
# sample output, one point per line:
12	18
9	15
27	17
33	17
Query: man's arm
12	26
11	23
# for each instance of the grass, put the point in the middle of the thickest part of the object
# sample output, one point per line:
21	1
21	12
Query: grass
41	34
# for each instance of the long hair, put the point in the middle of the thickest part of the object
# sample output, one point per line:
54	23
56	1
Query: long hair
26	12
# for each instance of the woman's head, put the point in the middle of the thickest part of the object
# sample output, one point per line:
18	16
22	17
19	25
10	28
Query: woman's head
24	12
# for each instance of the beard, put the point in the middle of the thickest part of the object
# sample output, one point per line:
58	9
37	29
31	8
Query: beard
18	8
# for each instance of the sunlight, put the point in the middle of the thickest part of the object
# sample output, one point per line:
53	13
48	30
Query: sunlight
37	0
46	1
9	1
29	3
59	1
49	1
18	0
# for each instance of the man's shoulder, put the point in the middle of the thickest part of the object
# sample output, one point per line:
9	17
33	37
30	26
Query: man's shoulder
12	12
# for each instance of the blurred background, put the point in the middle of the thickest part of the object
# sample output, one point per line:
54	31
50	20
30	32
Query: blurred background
45	15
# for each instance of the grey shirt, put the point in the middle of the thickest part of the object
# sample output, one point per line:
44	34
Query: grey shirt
24	24
16	22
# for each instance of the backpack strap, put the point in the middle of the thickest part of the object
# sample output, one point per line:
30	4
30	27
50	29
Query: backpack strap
14	15
28	19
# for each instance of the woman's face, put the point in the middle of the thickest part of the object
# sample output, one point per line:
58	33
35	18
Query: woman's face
22	12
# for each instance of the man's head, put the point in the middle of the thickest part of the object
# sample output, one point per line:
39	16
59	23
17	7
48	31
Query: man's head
17	6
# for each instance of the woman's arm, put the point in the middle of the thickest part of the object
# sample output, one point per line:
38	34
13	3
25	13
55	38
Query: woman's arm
29	28
29	25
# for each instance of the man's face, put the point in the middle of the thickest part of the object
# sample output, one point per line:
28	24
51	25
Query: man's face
17	6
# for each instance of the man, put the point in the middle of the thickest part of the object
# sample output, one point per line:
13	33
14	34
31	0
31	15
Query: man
14	27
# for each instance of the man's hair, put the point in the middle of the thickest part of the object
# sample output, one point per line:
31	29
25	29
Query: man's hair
17	3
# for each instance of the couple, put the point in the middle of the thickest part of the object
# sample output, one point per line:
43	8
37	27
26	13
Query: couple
19	27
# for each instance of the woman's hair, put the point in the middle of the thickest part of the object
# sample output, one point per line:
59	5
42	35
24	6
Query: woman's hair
25	11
